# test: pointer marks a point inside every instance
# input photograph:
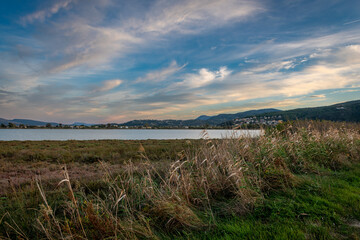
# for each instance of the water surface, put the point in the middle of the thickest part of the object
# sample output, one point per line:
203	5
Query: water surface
121	134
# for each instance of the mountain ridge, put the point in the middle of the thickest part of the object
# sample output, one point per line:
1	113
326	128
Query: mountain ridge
345	111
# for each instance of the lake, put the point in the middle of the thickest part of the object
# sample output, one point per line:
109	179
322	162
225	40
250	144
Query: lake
121	134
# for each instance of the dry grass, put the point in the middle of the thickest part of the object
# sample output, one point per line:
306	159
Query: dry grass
20	161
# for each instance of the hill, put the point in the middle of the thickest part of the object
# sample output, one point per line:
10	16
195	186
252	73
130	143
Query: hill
30	122
26	122
165	123
4	121
203	117
347	111
82	124
198	122
221	118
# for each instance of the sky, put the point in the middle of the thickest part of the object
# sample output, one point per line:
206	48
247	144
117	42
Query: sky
100	61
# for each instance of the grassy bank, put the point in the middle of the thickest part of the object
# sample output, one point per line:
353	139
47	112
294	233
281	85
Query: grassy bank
300	181
20	161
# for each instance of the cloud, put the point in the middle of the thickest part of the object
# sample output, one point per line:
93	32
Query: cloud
318	96
340	70
82	38
351	22
345	91
78	38
166	99
108	85
276	66
218	87
7	98
310	44
204	77
89	46
191	16
279	49
348	54
46	13
161	75
215	89
222	87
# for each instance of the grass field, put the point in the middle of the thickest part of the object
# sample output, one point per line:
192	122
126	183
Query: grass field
22	160
299	181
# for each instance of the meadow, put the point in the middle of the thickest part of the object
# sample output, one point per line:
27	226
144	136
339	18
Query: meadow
300	180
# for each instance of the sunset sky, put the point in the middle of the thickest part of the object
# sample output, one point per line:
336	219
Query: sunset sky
100	61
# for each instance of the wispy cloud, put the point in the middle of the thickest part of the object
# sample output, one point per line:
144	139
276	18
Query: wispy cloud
345	91
80	37
351	22
162	74
191	16
83	40
108	85
275	66
90	46
46	13
310	44
318	96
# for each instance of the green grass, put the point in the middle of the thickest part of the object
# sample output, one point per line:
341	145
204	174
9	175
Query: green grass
320	207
